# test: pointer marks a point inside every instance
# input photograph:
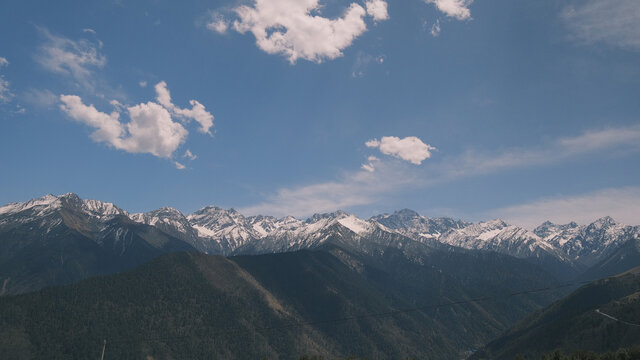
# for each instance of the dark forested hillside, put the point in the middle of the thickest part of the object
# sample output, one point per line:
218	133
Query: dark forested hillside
599	317
196	306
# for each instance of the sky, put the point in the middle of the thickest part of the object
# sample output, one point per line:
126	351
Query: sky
521	110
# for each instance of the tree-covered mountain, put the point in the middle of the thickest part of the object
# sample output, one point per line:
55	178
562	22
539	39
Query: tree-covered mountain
337	300
601	316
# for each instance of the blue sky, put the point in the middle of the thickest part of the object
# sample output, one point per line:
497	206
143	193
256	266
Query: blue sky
523	110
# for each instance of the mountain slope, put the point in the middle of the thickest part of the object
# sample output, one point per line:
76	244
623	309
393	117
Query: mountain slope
199	306
59	240
624	258
584	320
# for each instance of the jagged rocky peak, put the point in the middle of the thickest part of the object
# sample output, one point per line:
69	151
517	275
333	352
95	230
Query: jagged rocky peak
71	201
339	214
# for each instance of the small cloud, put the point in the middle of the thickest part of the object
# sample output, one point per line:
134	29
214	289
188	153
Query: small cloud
142	84
91	31
457	9
370	166
179	166
377	9
410	148
5	90
189	155
435	28
218	23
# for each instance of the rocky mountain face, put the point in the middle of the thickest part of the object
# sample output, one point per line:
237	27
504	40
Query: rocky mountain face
564	250
61	239
588	244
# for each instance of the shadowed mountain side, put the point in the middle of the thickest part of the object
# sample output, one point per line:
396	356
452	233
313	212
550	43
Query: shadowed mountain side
601	316
199	306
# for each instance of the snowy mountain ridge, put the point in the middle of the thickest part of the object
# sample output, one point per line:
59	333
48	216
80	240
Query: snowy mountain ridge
220	231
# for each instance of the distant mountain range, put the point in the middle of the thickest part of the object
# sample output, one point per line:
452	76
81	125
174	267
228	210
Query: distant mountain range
60	239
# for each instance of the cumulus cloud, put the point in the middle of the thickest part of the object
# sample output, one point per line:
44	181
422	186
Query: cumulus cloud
77	59
294	28
458	9
613	22
377	9
197	111
5	90
410	148
623	204
151	128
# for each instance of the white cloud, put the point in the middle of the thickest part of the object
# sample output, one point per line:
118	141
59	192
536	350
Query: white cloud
88	30
150	129
613	22
623	204
378	180
296	30
353	189
142	84
370	166
377	9
179	166
591	142
410	148
218	23
458	9
77	59
197	111
5	90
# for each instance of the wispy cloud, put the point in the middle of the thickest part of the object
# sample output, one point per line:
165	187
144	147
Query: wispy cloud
353	189
475	162
623	204
5	90
296	29
613	22
77	59
379	179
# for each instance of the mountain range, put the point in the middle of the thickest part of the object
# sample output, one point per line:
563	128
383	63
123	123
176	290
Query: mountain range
60	239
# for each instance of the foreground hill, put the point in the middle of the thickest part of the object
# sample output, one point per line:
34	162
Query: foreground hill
601	316
334	301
